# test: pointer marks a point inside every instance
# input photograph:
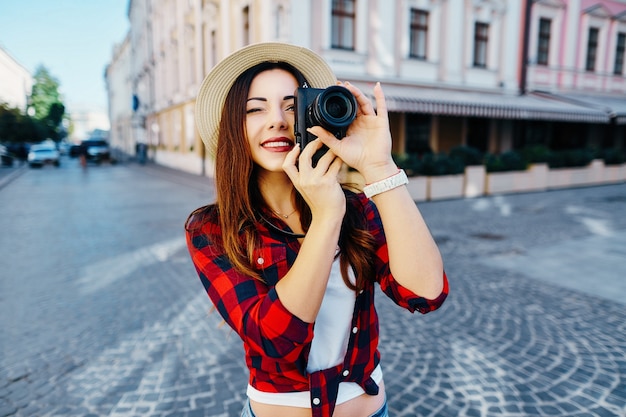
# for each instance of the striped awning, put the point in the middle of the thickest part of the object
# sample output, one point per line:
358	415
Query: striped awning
613	105
440	101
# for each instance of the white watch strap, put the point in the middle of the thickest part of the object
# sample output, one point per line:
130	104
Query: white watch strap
389	183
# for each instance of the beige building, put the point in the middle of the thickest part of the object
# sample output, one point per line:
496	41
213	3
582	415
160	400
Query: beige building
451	70
16	82
120	98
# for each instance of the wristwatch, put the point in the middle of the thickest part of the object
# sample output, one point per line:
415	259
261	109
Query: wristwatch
396	180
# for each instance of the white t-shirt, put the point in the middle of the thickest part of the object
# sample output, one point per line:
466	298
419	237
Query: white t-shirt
329	345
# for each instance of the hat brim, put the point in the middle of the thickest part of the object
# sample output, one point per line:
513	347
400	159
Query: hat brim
218	82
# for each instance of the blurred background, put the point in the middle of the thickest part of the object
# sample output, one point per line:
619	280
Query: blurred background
503	84
492	103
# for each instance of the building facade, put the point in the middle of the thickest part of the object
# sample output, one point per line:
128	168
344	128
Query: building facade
453	71
16	82
576	54
120	99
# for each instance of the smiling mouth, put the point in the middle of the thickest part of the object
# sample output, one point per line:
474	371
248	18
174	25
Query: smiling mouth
277	144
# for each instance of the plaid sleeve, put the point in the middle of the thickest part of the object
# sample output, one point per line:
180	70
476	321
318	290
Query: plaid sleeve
400	295
248	305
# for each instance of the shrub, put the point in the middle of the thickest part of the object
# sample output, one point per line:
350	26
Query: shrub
571	158
507	161
467	155
612	156
410	163
440	164
536	154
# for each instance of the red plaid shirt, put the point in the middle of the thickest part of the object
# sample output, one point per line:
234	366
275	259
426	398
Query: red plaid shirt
276	342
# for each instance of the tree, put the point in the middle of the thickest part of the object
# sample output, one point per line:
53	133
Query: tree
18	127
46	101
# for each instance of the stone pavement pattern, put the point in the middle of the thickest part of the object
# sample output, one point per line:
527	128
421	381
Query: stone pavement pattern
101	312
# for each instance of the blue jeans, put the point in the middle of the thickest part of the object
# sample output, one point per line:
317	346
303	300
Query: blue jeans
382	412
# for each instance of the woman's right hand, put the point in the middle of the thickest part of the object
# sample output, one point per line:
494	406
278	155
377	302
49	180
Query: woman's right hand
318	185
302	289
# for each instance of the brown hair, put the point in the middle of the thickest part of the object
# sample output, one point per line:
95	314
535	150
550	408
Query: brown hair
238	193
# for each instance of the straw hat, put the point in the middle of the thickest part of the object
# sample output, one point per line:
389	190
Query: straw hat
217	83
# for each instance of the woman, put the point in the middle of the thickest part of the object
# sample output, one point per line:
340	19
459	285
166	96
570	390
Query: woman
287	255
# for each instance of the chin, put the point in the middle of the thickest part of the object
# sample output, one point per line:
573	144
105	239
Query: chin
271	167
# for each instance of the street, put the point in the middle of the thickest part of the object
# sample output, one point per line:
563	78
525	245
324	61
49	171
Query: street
102	312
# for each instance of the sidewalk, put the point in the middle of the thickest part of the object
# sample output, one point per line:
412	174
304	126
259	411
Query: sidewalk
595	265
8	174
102	313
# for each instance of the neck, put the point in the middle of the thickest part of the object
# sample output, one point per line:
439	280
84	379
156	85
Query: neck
278	192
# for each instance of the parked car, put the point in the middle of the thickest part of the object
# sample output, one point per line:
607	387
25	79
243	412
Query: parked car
64	148
13	151
6	158
75	151
42	154
96	150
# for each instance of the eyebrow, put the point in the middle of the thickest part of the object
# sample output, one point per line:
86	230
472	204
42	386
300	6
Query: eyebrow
264	99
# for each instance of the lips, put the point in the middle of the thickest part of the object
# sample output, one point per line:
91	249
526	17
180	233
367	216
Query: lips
278	144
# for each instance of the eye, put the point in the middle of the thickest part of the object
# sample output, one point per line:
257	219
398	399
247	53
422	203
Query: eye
253	110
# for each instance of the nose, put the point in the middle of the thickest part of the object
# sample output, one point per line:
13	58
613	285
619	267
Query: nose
277	119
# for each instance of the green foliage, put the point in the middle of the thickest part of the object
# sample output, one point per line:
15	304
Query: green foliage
431	164
536	154
462	156
46	102
410	163
18	127
467	156
441	164
570	158
506	161
45	92
612	156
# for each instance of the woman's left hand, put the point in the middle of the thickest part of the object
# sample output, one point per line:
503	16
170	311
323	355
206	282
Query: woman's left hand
367	145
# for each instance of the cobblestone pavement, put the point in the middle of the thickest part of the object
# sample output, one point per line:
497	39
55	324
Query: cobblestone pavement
101	312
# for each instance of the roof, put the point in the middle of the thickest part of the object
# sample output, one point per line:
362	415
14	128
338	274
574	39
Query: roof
443	101
613	105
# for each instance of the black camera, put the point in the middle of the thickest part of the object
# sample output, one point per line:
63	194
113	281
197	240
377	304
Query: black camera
333	108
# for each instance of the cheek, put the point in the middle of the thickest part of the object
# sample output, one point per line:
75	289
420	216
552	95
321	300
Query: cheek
248	129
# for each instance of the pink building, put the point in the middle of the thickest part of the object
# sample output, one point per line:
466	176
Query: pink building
576	53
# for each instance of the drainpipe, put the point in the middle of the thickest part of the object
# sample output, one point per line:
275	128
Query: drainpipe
526	39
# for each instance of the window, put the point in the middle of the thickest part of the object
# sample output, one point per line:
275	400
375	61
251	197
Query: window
543	44
192	63
592	49
246	25
417	134
343	18
209	48
280	21
418	34
618	68
477	135
481	38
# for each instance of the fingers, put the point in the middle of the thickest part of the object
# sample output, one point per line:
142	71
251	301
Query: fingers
327	163
323	136
306	156
290	163
381	103
365	105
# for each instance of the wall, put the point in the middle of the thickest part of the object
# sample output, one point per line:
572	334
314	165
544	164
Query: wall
16	81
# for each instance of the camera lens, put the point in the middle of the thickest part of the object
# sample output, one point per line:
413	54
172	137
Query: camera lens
337	107
334	108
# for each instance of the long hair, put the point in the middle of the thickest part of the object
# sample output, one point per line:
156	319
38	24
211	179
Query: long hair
239	196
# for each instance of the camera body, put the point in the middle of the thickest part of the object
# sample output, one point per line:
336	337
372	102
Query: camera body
334	108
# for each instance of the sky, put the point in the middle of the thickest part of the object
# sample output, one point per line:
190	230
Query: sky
73	39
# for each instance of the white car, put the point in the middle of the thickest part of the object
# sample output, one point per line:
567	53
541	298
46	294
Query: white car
42	154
